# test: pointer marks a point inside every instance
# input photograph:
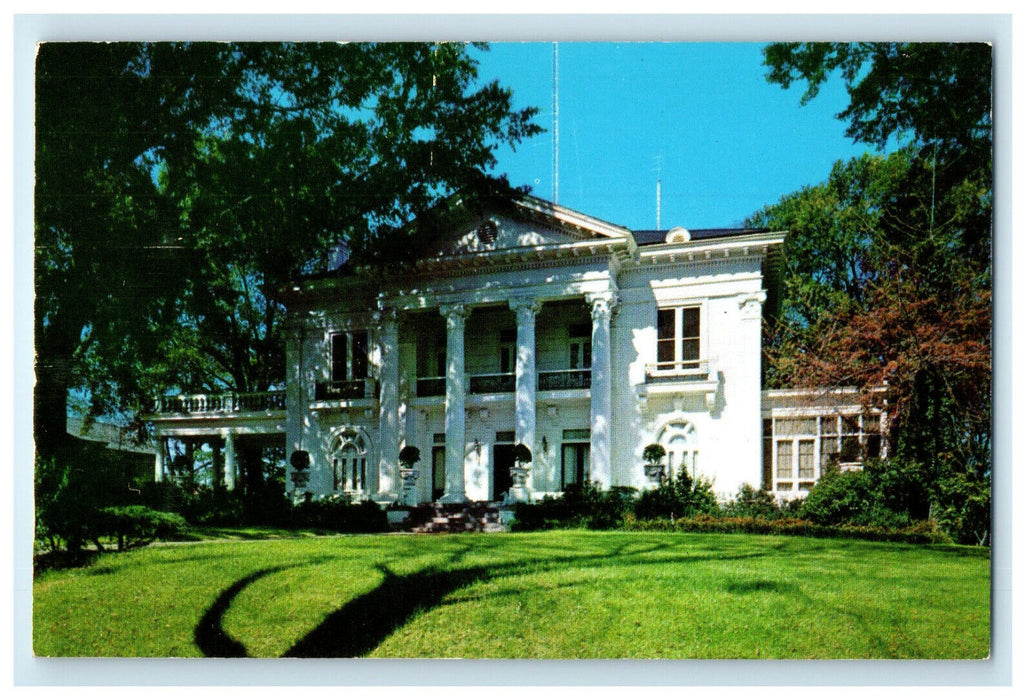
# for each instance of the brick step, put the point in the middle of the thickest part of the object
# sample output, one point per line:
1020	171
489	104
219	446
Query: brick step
454	517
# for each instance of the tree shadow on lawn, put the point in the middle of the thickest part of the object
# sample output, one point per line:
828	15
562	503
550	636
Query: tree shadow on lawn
364	622
209	635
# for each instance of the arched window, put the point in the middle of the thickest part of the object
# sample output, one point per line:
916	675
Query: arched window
678	437
348	452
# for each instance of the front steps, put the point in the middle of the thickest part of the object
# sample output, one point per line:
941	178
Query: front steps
479	516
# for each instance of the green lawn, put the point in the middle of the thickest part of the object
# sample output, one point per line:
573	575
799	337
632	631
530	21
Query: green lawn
538	595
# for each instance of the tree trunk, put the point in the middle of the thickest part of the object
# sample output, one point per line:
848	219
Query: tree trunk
50	405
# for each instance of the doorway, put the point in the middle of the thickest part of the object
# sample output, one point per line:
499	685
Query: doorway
437	461
575	463
502	480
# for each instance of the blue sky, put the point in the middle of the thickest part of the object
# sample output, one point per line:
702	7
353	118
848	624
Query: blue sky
730	141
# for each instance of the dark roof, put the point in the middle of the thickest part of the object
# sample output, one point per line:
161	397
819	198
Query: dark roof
653	237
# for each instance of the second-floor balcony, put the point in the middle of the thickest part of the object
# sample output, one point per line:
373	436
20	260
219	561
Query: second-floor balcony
682	371
229	402
505	382
348	389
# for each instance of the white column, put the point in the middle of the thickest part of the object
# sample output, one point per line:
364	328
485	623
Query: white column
602	306
455	403
526	378
296	403
526	374
388	477
159	458
230	463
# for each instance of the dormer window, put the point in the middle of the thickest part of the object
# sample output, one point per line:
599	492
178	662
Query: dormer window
487	232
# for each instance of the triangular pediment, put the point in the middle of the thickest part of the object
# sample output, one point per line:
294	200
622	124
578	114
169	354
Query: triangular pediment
532	223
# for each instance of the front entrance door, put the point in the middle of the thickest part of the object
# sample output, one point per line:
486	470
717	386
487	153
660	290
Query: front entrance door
437	459
575	463
502	480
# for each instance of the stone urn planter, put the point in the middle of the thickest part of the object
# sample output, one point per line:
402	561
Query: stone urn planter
408	457
654	455
300	462
518	472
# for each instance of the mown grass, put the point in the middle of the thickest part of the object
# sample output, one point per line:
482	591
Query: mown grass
557	594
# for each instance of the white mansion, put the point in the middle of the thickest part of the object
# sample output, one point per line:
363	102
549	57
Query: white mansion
582	340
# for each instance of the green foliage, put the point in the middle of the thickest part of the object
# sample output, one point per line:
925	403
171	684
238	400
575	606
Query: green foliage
409	455
179	185
72	486
925	532
888	494
654	453
339	515
752	503
521	453
581	506
962	506
911	324
135	526
677	498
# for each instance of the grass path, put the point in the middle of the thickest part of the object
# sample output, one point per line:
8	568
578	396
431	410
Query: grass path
535	595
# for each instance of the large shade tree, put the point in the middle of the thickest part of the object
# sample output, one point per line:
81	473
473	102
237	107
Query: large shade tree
179	184
889	268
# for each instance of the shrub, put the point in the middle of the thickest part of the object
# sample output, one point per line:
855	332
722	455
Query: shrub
581	506
339	515
677	498
753	503
839	497
521	453
409	455
135	526
70	487
925	532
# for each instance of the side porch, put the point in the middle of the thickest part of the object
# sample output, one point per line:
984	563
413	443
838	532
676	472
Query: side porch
220	425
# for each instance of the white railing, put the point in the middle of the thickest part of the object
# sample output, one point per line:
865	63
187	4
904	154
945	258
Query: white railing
222	403
694	370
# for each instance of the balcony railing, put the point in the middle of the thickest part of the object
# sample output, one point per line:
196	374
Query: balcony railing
565	379
686	371
222	403
350	389
430	386
492	383
505	383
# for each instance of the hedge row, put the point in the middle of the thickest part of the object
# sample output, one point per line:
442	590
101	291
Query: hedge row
924	532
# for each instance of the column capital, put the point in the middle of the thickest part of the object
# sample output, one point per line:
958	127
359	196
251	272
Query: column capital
603	305
751	305
454	312
525	306
385	314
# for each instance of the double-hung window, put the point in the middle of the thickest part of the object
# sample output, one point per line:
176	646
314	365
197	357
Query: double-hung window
580	336
678	339
349	356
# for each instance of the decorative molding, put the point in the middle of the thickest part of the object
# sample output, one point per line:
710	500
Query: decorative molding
751	305
525	306
603	305
455	314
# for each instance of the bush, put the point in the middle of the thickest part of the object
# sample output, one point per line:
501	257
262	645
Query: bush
581	506
839	498
679	497
886	493
339	515
753	503
925	532
70	487
135	526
